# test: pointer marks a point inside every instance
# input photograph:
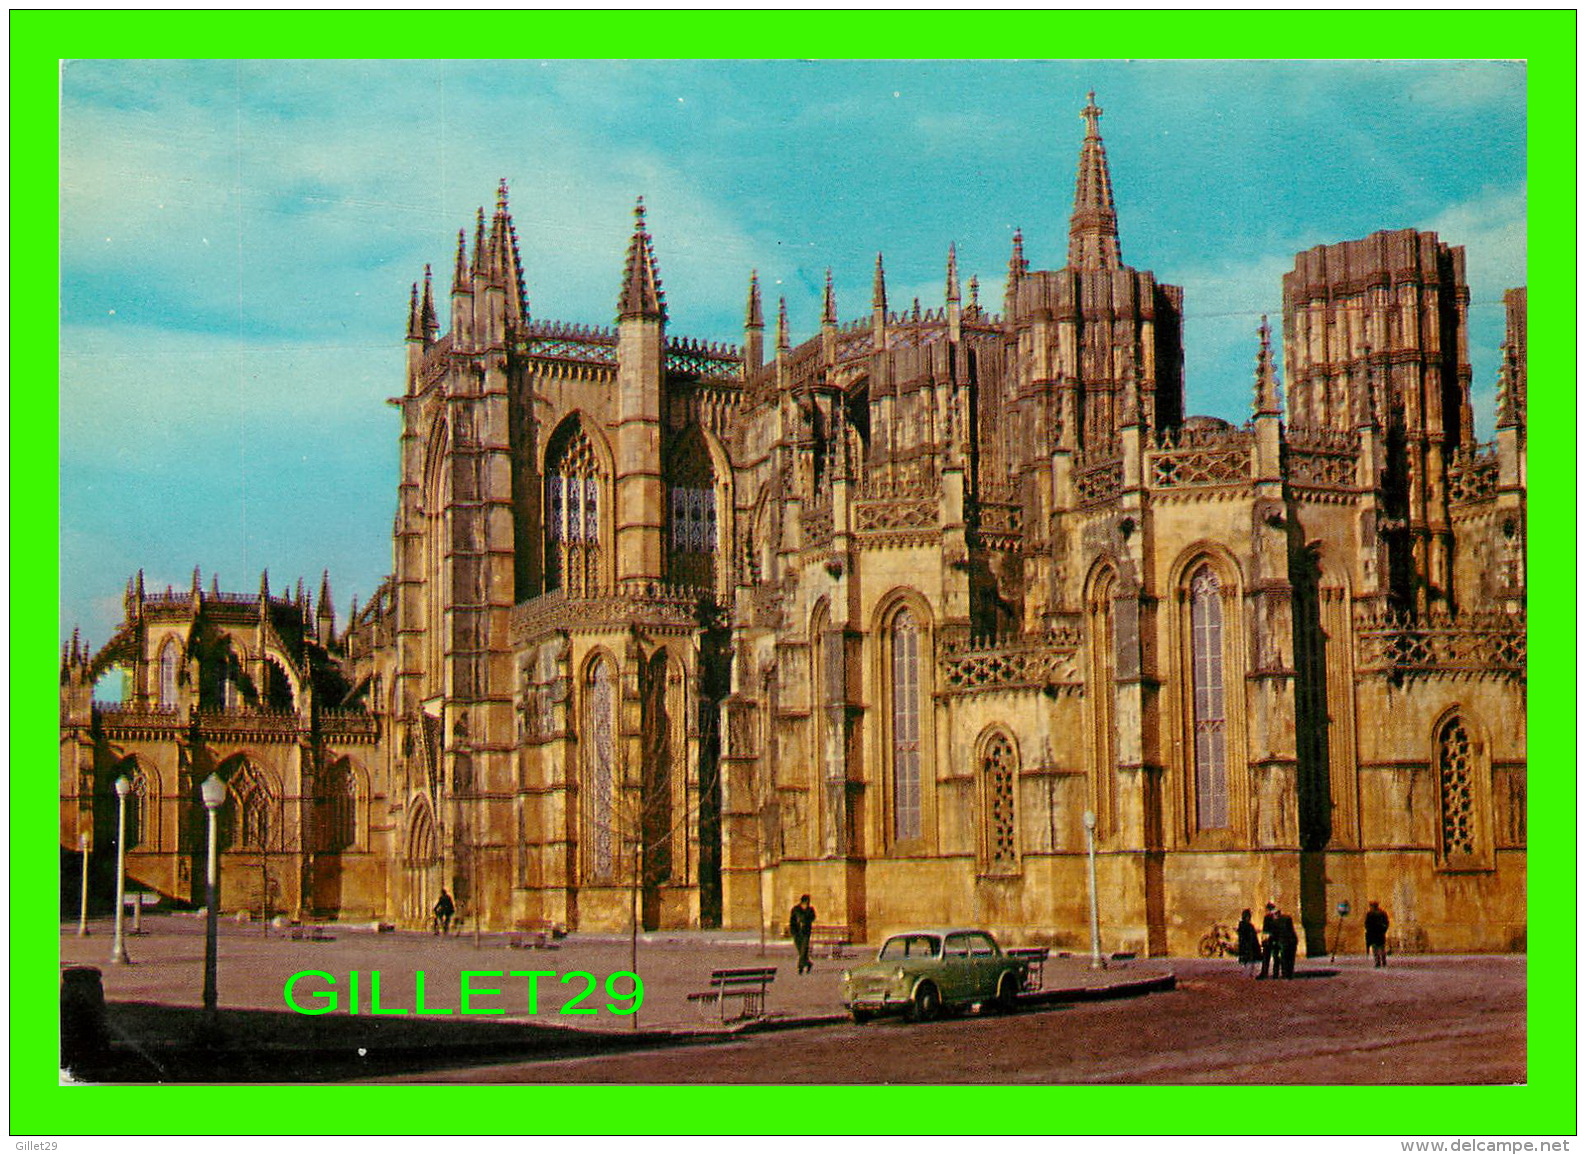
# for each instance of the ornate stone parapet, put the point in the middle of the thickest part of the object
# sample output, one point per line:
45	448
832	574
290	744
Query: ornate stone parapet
1100	481
981	665
1473	476
1492	644
1187	456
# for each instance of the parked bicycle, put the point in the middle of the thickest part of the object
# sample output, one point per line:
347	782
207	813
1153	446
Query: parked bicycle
1218	942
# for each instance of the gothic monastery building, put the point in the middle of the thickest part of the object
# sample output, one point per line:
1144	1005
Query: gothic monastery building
895	617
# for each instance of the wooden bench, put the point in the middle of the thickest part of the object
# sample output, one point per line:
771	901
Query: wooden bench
746	983
1036	956
830	940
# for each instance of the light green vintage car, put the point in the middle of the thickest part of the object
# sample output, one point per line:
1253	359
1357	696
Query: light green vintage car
919	972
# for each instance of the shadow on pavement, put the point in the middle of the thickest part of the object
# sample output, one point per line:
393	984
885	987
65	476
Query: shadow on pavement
151	1043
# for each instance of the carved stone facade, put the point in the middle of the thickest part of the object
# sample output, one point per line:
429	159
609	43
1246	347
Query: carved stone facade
693	630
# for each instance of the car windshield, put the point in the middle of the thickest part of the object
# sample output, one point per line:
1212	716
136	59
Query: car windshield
906	946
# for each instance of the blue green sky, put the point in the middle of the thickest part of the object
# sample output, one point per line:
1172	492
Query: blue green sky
238	239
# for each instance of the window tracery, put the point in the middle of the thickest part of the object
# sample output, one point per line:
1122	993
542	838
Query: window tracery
906	823
1209	708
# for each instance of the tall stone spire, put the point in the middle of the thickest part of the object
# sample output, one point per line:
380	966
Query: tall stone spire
952	272
781	325
878	290
1267	404
641	281
753	317
460	269
415	332
829	302
1093	229
428	324
506	263
753	327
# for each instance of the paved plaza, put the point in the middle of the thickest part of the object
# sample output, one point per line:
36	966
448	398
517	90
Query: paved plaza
155	1000
1423	1019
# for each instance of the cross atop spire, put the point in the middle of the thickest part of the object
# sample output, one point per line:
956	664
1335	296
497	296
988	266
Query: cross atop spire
1093	229
641	282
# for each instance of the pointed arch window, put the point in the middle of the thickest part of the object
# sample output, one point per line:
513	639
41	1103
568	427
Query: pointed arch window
905	679
138	802
601	727
827	676
1102	695
999	771
691	513
168	674
1209	711
572	515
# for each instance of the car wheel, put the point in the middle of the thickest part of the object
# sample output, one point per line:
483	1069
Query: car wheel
1007	994
927	1003
862	1016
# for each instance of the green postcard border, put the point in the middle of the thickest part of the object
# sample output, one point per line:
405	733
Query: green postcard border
40	1106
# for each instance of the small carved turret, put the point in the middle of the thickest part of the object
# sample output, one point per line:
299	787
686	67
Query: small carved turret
1266	389
829	322
325	619
1017	267
1268	413
429	325
955	311
782	345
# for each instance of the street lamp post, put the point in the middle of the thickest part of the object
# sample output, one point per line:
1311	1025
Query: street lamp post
118	948
82	916
1096	961
213	792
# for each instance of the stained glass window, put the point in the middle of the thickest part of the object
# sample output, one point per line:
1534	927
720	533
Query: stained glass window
572	516
1206	682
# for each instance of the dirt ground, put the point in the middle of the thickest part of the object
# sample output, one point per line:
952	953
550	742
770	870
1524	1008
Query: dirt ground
1421	1020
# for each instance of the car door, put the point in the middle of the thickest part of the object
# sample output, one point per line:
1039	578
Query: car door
983	968
957	969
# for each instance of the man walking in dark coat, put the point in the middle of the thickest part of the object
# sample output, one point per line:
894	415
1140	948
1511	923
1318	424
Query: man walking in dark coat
443	913
1288	943
800	923
1269	943
1377	935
